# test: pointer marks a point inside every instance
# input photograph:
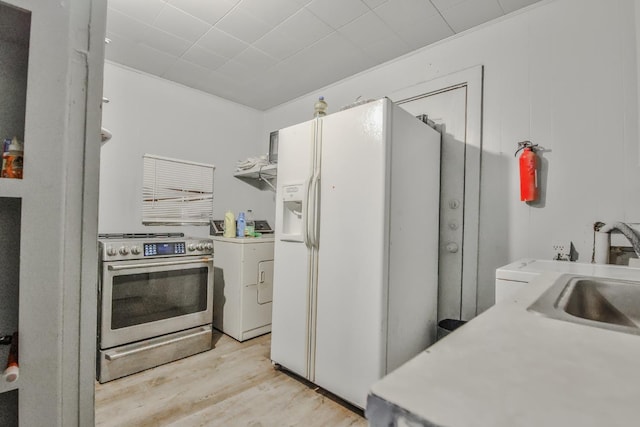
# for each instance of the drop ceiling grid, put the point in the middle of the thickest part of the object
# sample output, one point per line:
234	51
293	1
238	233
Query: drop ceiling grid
243	49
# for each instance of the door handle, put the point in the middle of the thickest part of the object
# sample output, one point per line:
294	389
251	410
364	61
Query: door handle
316	185
118	267
311	211
120	354
305	213
316	211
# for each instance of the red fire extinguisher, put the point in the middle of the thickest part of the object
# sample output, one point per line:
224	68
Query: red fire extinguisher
528	171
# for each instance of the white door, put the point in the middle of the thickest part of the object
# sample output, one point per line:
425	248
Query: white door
454	103
290	323
349	350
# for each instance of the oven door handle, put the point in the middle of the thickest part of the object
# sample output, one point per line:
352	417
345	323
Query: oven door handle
117	267
119	354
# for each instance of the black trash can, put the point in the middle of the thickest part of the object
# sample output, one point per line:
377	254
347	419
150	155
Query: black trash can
446	326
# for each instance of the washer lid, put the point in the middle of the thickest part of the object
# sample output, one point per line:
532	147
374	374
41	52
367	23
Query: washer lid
245	240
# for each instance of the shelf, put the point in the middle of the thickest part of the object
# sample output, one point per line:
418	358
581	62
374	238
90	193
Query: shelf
260	177
11	187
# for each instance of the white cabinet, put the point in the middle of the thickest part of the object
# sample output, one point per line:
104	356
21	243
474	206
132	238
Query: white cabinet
51	90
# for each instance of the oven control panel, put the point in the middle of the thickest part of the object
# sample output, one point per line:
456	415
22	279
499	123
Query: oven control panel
164	249
130	249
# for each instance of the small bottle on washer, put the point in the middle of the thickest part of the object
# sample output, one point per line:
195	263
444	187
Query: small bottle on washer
240	225
250	225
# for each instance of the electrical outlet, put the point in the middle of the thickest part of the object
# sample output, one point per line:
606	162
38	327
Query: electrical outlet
562	251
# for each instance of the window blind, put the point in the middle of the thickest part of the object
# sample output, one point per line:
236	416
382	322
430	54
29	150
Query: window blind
176	191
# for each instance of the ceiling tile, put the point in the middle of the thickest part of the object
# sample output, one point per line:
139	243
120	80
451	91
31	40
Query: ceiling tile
279	44
223	86
446	4
240	24
510	5
471	13
386	49
254	58
374	3
416	22
373	36
272	12
238	72
204	58
327	11
137	56
165	42
294	34
187	73
399	13
144	11
181	24
366	29
209	11
345	59
222	43
125	26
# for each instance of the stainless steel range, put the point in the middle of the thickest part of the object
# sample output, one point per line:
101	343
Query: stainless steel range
155	301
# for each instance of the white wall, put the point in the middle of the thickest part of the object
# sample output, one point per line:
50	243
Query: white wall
147	114
561	74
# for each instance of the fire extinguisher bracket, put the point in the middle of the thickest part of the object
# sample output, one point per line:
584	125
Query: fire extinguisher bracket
526	144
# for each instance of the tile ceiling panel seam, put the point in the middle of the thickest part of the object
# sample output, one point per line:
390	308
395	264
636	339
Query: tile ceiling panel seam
136	21
442	16
127	13
334	29
211	26
504	12
345	23
257	16
167	5
200	19
399	35
231	36
249	46
282	24
144	32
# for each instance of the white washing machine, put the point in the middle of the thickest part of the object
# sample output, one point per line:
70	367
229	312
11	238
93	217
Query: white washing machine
242	285
513	277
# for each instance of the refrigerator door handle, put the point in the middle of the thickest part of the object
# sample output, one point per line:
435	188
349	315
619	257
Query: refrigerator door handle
315	232
315	179
311	211
305	213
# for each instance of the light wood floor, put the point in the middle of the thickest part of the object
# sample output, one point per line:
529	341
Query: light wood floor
234	384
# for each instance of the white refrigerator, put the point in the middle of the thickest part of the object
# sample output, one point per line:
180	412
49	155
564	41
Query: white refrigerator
356	246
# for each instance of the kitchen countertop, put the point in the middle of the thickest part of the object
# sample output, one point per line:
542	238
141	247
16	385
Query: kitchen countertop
512	367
